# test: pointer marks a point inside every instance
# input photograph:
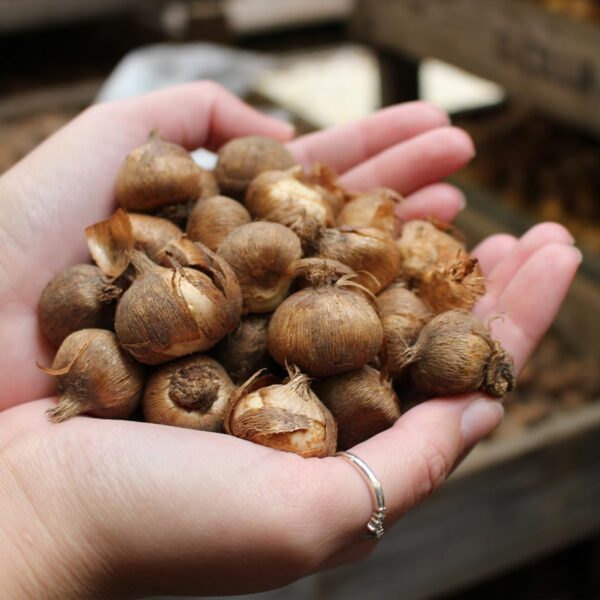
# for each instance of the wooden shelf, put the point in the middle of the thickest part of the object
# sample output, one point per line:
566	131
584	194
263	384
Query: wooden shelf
544	60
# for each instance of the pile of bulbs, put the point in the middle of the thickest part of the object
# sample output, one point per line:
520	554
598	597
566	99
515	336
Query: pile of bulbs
290	313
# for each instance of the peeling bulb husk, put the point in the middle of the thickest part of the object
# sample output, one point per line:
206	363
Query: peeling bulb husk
439	267
168	313
375	209
372	254
287	416
282	197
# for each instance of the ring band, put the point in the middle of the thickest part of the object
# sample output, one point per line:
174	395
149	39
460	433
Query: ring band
375	524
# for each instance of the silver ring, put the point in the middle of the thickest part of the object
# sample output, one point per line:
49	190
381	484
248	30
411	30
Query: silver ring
375	524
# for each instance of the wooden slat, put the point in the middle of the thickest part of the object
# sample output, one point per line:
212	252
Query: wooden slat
543	59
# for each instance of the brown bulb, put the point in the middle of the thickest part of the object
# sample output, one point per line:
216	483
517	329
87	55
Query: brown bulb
326	329
372	254
179	213
94	376
455	353
188	392
167	313
439	267
261	255
244	351
157	174
375	208
403	315
79	297
213	219
286	417
362	402
152	234
242	159
282	197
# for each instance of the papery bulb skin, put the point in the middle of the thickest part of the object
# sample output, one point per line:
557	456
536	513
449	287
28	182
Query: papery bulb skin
94	376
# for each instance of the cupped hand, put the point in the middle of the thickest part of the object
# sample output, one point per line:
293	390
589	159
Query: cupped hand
97	507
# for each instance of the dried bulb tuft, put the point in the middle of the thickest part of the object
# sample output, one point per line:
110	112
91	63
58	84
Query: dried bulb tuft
94	376
111	243
260	255
455	353
244	351
79	297
167	313
362	402
152	234
403	315
190	392
326	329
375	208
157	174
457	285
439	267
242	159
372	254
286	416
213	219
282	197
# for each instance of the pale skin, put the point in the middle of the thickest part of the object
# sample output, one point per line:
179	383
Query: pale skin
100	508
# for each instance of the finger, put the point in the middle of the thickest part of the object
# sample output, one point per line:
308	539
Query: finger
199	114
411	165
529	303
492	250
348	145
440	200
410	460
537	237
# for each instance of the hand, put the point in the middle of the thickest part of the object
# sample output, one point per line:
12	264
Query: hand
99	507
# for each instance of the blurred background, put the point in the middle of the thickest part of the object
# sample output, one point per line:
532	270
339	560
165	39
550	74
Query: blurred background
520	518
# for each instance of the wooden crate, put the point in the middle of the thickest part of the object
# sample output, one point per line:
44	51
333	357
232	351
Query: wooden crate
541	58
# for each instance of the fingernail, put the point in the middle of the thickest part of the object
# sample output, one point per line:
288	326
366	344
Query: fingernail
480	419
463	202
579	252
